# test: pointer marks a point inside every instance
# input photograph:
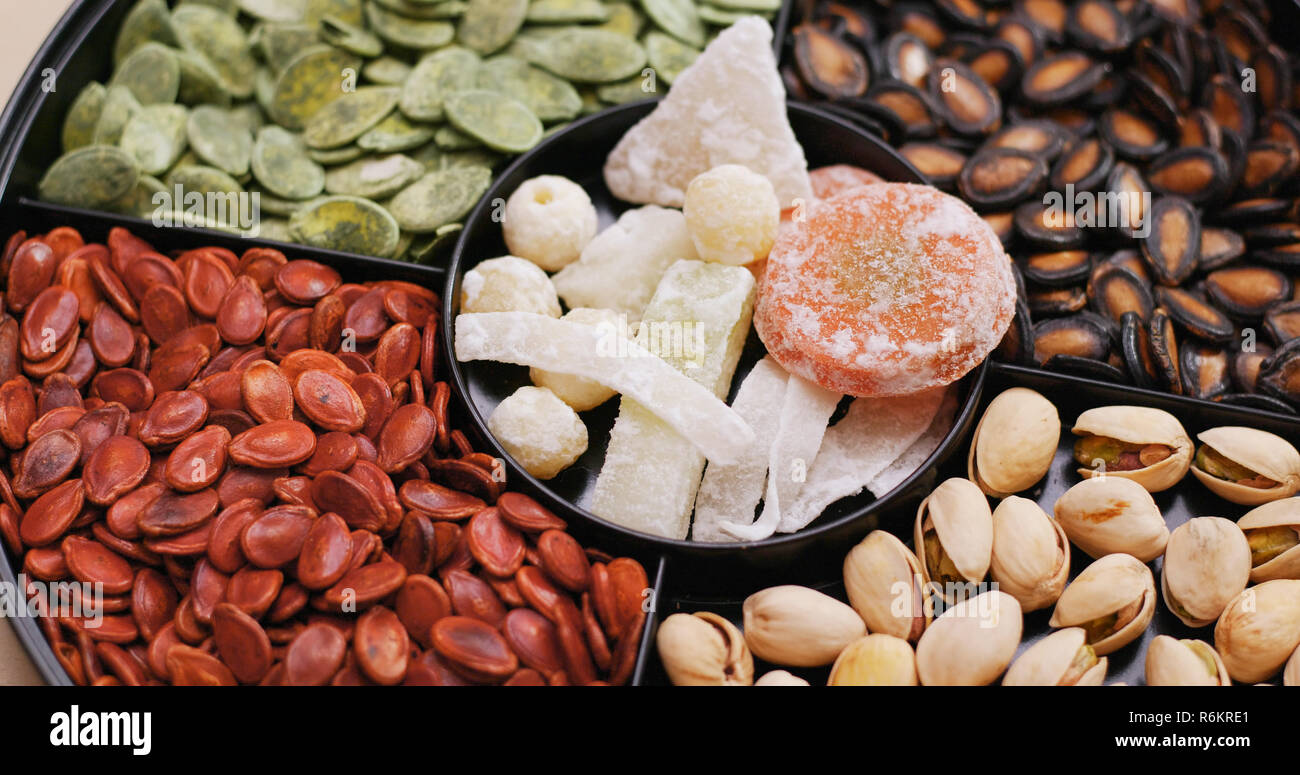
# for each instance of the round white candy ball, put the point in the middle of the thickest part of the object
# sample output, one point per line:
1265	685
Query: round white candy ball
549	220
732	214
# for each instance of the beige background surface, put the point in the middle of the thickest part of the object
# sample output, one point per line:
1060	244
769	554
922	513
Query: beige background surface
26	23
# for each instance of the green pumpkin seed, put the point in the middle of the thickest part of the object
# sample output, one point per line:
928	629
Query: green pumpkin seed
720	17
386	71
349	38
452	139
274	10
79	124
760	6
308	83
488	25
348	117
346	223
152	74
274	205
403	244
394	134
434	78
156	137
281	165
668	55
264	89
345	10
219	139
548	97
446	9
200	83
624	20
332	156
119	106
227	7
148	20
201	179
280	43
93	177
499	122
429	155
249	115
274	229
567	12
374	177
439	198
418	34
590	101
218	37
631	90
474	157
590	56
678	18
140	201
434	249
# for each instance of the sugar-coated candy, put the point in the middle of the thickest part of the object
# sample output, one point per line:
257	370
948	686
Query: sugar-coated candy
541	432
885	290
916	455
732	214
549	220
838	178
579	392
726	108
622	266
697	321
508	284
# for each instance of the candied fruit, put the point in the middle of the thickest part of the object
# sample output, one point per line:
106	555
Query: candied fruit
508	284
541	432
581	393
549	220
732	214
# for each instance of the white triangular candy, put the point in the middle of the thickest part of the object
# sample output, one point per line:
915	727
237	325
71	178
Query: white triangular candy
726	108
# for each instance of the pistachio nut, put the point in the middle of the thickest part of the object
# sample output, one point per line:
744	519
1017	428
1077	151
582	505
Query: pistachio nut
1113	600
1106	514
1063	658
1291	676
1273	534
799	627
1146	445
1207	564
1259	630
885	586
954	536
1014	443
780	678
704	649
971	643
876	660
1173	662
1246	465
1031	555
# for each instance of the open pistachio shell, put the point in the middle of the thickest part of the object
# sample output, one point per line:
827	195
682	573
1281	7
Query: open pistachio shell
1140	425
962	545
1113	600
1173	662
1061	659
1104	515
1291	676
1273	536
1014	443
886	587
704	649
876	660
971	643
1031	555
1207	564
1259	630
1259	451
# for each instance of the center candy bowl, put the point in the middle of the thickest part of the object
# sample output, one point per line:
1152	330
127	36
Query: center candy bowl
578	153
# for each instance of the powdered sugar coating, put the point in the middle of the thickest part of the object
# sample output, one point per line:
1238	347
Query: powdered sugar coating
508	284
726	108
885	290
732	215
838	178
548	220
539	430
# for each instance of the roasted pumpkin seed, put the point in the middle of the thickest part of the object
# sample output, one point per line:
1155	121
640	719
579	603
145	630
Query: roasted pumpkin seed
348	117
348	224
439	198
588	55
281	165
93	176
404	32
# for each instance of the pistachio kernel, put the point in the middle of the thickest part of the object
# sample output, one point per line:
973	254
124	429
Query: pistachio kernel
1269	543
1103	627
1215	464
941	567
1084	660
1119	455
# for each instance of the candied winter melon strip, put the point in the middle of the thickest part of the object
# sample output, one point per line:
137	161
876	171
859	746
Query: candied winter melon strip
652	471
530	339
730	492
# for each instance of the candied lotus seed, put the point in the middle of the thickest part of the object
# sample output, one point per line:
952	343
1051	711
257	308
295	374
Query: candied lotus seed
508	284
549	220
579	392
539	431
732	213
